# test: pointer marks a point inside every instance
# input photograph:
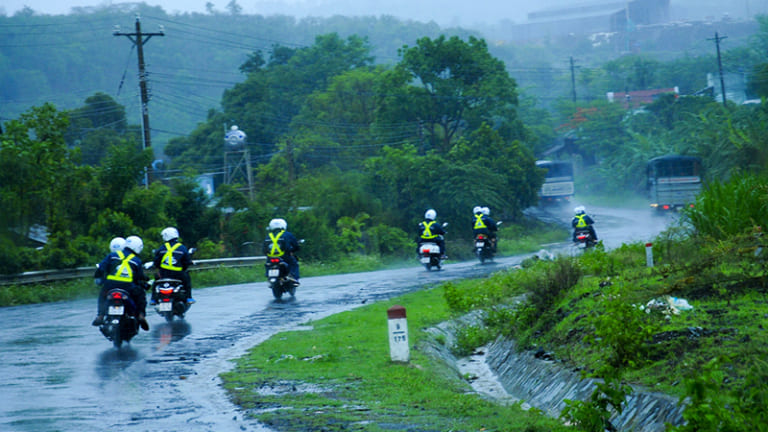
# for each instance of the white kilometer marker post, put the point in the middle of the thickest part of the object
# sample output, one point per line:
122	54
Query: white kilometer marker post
649	254
398	334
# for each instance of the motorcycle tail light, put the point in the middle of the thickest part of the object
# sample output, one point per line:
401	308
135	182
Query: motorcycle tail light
274	260
425	250
117	295
481	237
166	291
166	300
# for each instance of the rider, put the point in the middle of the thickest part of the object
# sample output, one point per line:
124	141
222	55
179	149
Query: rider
122	269
116	244
282	243
431	231
484	224
581	220
172	260
492	226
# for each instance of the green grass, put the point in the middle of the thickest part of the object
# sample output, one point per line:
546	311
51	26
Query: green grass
337	375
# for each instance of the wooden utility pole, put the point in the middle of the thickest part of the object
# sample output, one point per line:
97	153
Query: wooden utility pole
139	39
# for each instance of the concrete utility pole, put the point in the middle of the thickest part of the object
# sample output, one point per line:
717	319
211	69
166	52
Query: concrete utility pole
138	40
573	81
717	40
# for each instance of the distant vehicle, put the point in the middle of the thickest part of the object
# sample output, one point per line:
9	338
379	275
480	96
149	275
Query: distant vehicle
673	181
558	182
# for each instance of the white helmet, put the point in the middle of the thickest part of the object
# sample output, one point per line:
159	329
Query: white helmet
579	210
477	210
169	234
135	244
486	211
431	214
116	244
278	224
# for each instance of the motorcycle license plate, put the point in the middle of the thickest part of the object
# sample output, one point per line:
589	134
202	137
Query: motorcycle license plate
116	310
479	244
273	272
425	260
165	306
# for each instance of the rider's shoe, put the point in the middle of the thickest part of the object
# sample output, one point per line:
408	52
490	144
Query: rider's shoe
191	300
293	280
143	323
99	320
153	302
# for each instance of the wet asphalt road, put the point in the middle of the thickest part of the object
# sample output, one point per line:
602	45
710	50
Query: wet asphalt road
58	373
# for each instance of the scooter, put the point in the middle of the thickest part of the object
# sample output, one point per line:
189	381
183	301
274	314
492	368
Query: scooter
584	239
429	254
120	323
277	276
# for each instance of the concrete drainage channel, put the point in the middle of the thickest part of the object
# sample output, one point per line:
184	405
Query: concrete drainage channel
507	376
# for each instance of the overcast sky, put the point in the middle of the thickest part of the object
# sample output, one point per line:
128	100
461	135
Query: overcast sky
444	12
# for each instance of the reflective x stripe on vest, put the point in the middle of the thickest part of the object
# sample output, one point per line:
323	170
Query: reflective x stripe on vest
479	223
123	272
427	234
276	251
581	223
167	261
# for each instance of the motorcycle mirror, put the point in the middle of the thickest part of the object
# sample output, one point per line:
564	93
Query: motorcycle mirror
301	241
498	223
445	224
148	265
193	250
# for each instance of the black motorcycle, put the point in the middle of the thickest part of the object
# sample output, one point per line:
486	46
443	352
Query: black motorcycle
583	238
120	324
483	248
277	276
171	297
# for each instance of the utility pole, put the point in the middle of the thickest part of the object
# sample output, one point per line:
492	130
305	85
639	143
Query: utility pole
717	40
573	81
138	40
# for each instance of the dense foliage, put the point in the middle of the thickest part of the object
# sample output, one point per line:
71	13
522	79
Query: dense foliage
349	148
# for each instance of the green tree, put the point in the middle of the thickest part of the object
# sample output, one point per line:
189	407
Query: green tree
458	86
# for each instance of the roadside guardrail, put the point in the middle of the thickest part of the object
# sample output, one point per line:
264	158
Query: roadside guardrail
84	272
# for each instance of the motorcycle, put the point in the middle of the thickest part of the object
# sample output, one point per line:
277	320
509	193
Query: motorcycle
277	276
120	323
171	295
584	239
429	254
483	247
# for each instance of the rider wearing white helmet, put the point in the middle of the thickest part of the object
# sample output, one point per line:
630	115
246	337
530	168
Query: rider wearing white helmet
581	220
122	269
172	259
116	244
431	231
484	224
282	243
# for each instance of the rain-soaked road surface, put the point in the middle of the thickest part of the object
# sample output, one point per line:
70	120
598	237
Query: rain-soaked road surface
58	373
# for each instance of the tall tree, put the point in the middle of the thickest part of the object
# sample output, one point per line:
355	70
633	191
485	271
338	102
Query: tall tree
458	86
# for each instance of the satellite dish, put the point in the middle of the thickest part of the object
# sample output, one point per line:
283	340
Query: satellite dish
235	138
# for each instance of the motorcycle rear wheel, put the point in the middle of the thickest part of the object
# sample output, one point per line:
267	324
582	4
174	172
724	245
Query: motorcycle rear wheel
277	291
117	337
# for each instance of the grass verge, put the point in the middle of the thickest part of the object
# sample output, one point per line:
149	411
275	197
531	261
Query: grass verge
337	376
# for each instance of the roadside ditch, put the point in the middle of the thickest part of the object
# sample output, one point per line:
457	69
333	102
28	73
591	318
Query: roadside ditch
501	373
